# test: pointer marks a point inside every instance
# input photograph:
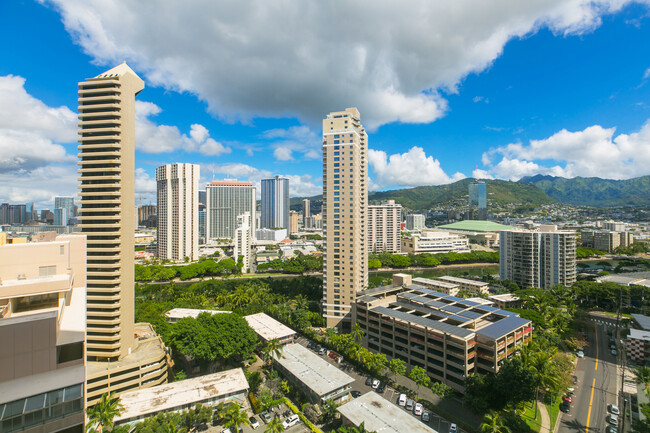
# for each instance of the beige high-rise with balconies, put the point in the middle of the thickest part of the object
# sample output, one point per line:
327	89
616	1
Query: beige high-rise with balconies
107	177
345	206
384	223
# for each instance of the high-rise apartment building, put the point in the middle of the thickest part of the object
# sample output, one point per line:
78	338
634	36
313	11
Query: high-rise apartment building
415	222
306	209
60	216
605	240
345	206
178	211
384	221
68	204
226	200
293	222
243	240
145	212
477	202
275	203
116	361
42	330
538	258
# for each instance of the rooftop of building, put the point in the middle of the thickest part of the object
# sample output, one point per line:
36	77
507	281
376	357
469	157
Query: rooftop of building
642	321
181	313
317	374
481	301
233	182
458	280
185	392
380	415
268	328
637	334
462	318
506	297
476	226
437	283
635	279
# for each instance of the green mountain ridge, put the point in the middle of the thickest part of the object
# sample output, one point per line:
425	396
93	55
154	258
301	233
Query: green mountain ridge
594	191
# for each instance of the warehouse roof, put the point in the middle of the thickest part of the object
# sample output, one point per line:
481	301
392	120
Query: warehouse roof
476	226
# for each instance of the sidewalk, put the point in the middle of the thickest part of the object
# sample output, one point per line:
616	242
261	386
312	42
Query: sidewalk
545	418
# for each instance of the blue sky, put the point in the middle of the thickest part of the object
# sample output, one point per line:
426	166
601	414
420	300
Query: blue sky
446	91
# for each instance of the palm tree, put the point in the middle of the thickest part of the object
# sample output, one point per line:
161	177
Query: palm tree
493	423
329	411
272	349
234	417
275	426
642	376
358	333
353	429
544	372
102	413
300	302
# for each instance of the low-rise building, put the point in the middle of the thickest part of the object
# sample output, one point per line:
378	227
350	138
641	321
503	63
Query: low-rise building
605	240
211	389
267	328
472	286
438	285
275	235
435	242
449	337
478	232
319	380
506	300
176	314
380	415
637	345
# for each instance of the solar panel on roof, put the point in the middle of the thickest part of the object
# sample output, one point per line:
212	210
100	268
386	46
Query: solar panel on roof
436	304
455	298
440	326
452	309
459	318
470	314
502	327
470	303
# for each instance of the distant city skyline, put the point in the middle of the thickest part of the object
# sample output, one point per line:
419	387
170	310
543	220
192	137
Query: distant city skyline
551	88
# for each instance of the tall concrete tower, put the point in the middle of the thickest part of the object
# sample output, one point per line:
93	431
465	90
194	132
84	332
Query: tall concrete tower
275	203
107	174
345	207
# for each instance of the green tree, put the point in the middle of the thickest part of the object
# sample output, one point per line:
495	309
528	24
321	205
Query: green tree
272	349
397	366
642	377
353	429
493	423
234	417
330	411
275	426
102	413
374	263
419	376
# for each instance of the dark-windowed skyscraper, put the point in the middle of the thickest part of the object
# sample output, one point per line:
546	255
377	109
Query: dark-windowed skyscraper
477	206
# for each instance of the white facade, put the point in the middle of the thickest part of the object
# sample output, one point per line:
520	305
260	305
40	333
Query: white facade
226	200
275	203
415	222
271	235
243	240
435	242
384	232
178	211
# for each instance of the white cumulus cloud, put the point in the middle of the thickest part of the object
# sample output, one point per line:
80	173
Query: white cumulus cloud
153	138
593	152
412	168
304	59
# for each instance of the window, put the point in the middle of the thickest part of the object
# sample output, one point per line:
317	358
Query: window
336	141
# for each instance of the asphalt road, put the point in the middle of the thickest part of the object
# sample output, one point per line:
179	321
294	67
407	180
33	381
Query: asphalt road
597	384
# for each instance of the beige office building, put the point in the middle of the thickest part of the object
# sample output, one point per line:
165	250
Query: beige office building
107	175
226	200
293	222
604	240
42	335
178	211
306	209
345	202
384	221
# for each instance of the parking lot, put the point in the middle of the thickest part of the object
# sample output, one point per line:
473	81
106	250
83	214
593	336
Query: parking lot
437	423
280	411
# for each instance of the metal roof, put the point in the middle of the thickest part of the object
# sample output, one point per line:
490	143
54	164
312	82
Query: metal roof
476	226
643	321
503	327
452	309
433	324
420	308
471	314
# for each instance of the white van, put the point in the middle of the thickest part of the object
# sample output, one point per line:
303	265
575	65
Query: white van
402	399
292	420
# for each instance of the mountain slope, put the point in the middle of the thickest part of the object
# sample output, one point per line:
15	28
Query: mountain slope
594	191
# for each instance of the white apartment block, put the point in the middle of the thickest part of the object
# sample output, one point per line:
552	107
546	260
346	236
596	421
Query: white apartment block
435	242
540	258
243	240
226	200
345	205
415	222
178	211
384	232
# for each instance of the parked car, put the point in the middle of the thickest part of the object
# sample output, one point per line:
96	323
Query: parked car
369	381
613	419
322	351
426	416
375	383
567	398
612	429
226	430
409	404
453	428
418	409
310	345
402	400
575	379
581	354
565	407
266	417
254	422
381	388
292	420
613	409
355	394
